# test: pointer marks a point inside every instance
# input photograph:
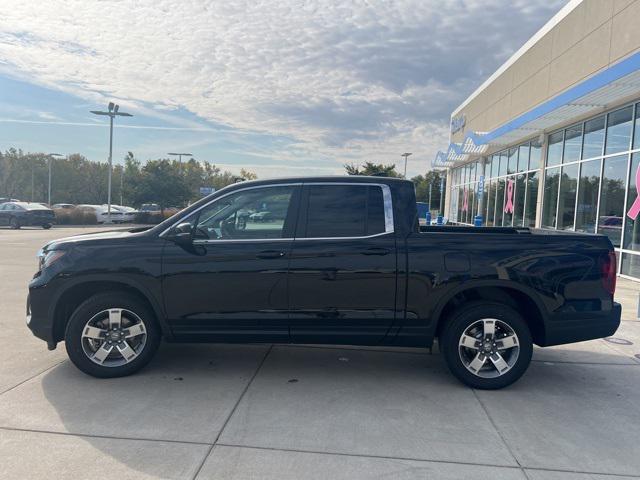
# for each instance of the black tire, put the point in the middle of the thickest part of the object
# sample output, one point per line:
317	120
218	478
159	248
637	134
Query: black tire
14	223
464	319
92	307
46	226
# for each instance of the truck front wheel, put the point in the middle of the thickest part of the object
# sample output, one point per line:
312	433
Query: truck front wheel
112	335
487	345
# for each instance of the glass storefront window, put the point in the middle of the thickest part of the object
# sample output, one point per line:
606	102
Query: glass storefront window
535	155
512	162
485	196
495	166
630	265
550	200
619	130
499	202
503	164
572	143
554	152
593	138
567	199
518	204
473	208
532	199
612	198
588	196
636	130
632	211
491	204
523	157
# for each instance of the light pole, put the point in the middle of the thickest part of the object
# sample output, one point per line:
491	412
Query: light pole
51	155
180	155
405	155
112	113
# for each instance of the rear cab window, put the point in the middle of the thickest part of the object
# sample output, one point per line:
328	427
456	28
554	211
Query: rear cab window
344	210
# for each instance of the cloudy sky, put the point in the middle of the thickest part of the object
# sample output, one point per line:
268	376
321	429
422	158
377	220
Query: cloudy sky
280	87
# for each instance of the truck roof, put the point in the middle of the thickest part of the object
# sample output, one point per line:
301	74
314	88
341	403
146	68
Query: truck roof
327	178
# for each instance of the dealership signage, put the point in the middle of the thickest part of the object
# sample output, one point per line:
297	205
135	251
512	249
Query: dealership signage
458	123
481	185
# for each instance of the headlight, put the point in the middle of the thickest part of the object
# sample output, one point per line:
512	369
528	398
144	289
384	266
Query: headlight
47	259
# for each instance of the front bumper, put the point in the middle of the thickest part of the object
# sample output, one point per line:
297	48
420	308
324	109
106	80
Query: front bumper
578	327
38	318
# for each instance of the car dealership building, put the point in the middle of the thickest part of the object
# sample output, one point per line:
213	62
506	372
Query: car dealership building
552	138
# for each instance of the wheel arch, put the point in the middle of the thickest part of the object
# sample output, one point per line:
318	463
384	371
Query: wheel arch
515	296
75	294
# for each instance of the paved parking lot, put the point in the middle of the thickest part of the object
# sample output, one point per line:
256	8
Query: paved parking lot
293	412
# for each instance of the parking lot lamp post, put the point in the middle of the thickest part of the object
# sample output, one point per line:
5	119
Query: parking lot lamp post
112	113
51	155
405	155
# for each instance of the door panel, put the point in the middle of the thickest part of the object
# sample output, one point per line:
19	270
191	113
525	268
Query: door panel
342	286
230	282
227	291
342	291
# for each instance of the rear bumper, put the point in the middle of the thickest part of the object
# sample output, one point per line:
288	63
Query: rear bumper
36	220
571	328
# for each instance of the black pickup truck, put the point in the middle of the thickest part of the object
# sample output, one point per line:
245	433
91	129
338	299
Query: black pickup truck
332	260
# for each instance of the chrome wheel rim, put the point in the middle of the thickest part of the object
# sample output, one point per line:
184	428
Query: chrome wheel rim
114	337
489	348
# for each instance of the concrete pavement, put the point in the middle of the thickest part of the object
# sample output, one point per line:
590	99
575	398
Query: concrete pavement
262	411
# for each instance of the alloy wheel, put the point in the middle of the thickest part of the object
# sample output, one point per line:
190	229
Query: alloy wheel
114	337
489	348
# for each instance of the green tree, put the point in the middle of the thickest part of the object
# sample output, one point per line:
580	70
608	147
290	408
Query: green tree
75	179
422	182
372	169
162	182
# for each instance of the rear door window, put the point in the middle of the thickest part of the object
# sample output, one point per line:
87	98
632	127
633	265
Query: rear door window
335	211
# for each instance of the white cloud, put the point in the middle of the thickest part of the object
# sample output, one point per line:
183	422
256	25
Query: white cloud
350	81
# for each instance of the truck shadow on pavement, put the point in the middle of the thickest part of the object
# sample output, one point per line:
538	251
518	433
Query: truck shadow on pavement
359	401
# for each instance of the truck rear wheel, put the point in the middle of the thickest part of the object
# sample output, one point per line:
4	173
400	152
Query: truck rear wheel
112	335
487	345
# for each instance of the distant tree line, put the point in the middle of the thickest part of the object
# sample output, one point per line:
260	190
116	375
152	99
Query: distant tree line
422	182
77	180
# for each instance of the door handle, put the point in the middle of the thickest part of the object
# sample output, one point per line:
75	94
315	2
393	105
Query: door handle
376	251
266	254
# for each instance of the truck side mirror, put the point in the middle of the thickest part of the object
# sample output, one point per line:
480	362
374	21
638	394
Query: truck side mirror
182	234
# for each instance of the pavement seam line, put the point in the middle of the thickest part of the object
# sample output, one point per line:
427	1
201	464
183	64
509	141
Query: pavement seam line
619	352
33	376
105	437
233	410
450	462
495	427
365	455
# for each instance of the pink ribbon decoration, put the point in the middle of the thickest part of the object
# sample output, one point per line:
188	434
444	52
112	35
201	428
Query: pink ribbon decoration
635	208
508	208
465	201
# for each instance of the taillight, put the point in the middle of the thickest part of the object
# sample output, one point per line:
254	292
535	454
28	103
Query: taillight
608	272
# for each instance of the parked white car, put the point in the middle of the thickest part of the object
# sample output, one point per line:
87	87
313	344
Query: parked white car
101	213
128	213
